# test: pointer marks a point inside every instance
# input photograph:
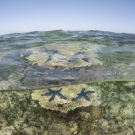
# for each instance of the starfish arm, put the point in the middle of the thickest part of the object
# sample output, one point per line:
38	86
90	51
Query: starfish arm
50	90
74	99
82	90
89	92
46	94
63	97
59	90
52	98
86	97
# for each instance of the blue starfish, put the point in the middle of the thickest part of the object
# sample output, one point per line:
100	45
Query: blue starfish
83	94
53	93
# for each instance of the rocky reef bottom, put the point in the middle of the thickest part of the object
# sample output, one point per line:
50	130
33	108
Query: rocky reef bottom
115	115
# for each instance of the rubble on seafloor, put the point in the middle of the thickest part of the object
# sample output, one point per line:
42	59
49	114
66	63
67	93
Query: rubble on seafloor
111	111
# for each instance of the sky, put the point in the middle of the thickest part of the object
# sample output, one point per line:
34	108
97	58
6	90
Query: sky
17	16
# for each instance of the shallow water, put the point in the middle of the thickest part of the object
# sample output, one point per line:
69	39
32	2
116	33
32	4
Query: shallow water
70	61
55	58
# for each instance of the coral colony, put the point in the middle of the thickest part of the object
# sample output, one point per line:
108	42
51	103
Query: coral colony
67	98
53	93
80	95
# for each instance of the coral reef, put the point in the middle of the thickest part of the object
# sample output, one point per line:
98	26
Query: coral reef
113	112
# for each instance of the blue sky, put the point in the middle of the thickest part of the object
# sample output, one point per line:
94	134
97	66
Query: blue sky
18	16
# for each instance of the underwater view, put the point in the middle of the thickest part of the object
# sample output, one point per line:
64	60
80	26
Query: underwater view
67	83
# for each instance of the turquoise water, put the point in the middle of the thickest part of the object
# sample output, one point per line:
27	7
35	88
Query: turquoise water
98	61
52	58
